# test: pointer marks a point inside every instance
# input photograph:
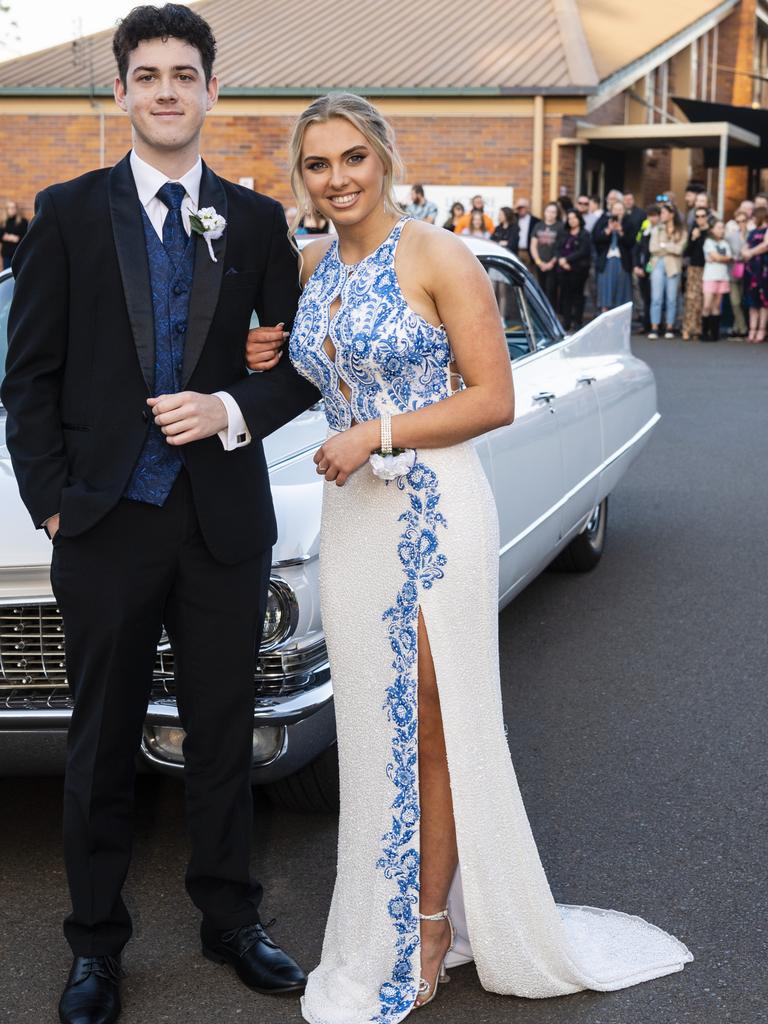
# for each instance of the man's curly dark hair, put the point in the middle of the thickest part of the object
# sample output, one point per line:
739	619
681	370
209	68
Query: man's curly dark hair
148	22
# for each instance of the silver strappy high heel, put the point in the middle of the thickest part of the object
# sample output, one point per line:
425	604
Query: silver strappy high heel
425	989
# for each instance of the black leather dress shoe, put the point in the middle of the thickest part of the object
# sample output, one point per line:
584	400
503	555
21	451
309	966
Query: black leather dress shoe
259	962
92	993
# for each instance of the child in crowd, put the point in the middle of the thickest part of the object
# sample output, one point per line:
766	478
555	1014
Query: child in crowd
715	281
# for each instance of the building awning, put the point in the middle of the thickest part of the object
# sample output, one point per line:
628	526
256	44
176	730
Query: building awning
750	119
716	138
702	135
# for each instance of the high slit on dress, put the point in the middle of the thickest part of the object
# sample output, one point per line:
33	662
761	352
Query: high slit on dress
427	541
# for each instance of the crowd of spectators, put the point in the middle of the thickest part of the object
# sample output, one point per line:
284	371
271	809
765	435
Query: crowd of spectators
676	264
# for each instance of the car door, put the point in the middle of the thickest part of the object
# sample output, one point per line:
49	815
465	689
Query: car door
525	456
571	378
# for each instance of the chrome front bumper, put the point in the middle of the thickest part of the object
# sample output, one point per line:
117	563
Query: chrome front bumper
33	739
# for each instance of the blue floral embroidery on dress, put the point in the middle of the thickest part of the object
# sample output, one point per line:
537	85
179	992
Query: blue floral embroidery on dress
423	564
388	356
390	359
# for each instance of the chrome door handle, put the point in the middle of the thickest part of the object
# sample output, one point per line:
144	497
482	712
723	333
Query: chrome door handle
586	380
544	396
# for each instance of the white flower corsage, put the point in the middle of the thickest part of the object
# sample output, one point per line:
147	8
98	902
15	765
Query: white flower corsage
209	224
390	467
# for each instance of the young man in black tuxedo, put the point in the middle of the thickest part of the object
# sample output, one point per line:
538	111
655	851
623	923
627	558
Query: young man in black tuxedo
135	433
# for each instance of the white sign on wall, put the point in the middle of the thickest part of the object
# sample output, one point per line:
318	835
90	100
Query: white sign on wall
444	196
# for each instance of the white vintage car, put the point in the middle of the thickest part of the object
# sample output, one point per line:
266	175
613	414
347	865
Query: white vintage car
585	406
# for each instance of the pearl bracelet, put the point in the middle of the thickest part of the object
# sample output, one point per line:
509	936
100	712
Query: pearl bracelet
386	433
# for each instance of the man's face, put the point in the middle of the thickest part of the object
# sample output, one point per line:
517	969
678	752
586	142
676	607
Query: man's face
690	197
522	209
165	95
629	201
761	203
701	202
582	204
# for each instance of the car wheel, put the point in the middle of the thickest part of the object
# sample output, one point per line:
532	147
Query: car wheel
586	549
314	789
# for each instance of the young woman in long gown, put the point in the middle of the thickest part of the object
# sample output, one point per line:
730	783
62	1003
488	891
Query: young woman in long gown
431	816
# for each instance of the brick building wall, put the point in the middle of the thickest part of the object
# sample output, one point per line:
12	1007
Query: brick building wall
40	149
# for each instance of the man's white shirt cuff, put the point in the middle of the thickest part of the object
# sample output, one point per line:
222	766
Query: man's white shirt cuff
236	433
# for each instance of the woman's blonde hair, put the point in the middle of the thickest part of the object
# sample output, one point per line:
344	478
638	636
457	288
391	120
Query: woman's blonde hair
368	121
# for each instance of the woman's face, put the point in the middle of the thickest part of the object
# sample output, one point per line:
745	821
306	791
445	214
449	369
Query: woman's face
342	173
666	215
741	220
617	210
476	221
718	230
457	210
573	220
11	209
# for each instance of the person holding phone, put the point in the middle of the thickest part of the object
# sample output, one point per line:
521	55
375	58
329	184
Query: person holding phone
614	242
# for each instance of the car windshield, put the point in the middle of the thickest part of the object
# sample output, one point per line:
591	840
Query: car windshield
6	293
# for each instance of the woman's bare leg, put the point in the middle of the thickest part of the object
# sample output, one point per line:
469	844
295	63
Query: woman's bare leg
439	855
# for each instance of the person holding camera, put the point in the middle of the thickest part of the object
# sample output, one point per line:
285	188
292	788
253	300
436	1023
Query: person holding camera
614	243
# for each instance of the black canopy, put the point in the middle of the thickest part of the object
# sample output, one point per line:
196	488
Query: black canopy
743	117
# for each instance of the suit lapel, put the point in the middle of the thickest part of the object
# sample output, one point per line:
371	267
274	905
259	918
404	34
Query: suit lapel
128	231
206	282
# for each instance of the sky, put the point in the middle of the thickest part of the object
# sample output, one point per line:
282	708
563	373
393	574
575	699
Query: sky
43	23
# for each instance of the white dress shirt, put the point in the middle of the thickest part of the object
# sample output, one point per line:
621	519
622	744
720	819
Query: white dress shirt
524	228
148	182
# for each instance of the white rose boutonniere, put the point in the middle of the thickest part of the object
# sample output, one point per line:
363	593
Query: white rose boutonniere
209	224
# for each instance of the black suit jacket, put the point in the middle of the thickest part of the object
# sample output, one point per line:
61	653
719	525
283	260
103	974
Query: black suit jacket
81	355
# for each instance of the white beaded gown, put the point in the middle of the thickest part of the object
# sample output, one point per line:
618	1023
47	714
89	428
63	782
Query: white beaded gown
426	541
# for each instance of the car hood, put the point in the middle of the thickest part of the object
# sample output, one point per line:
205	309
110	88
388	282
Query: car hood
296	490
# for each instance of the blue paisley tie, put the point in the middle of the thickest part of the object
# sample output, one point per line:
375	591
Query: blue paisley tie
174	235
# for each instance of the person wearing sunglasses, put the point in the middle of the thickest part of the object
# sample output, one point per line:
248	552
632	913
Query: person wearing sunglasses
694	292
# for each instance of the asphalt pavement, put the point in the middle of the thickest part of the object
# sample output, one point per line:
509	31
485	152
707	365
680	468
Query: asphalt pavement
637	704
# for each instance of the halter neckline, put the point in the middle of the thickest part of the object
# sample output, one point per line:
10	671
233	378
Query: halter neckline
351	266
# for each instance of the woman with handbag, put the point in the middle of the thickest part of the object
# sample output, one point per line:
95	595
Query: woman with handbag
755	256
736	237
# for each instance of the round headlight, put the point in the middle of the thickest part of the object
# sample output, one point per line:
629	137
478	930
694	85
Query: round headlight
281	615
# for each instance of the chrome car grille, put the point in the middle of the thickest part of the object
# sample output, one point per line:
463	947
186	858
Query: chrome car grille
31	648
32	669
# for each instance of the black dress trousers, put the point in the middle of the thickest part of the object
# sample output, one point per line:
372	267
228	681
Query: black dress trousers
116	585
